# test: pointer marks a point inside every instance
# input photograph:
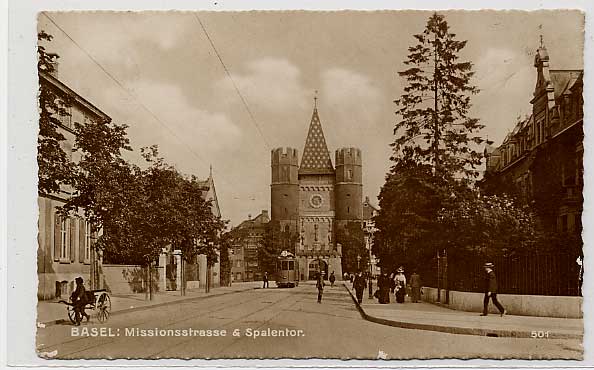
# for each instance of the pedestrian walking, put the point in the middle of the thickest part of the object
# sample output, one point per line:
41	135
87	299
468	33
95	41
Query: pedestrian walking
400	285
491	291
265	280
383	284
415	287
320	286
332	279
359	285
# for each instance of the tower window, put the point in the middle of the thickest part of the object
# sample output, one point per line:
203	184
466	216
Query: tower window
349	174
285	211
348	209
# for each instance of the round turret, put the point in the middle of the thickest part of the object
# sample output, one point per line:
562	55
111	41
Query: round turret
284	188
349	184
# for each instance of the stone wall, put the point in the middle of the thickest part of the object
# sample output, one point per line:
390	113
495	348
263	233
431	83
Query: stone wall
524	305
127	279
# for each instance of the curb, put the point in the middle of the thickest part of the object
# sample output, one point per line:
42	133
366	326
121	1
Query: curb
146	307
501	333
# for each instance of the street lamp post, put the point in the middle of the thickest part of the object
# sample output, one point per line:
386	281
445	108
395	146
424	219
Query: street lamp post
368	241
358	262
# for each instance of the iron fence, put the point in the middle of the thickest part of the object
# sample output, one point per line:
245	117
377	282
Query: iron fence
544	274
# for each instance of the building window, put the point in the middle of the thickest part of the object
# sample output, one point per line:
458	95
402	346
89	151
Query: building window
349	174
88	240
64	238
65	119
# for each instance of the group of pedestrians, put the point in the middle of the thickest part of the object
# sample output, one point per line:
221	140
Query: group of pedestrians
397	284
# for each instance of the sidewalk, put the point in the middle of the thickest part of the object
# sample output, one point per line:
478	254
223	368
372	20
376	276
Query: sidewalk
51	312
427	316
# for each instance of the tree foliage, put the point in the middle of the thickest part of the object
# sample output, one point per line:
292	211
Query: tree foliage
409	201
428	203
275	239
435	127
487	226
351	237
225	261
54	165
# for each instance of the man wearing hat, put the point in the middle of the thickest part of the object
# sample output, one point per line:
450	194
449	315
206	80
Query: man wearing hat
491	290
79	301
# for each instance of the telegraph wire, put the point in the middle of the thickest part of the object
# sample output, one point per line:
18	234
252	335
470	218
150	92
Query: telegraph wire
114	79
127	91
245	104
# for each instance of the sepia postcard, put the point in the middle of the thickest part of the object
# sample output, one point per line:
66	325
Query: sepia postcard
372	185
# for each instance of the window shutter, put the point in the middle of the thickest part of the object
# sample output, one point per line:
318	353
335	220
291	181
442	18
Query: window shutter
72	240
57	237
81	240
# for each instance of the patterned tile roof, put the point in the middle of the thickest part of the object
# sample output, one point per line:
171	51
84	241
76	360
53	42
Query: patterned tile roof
316	158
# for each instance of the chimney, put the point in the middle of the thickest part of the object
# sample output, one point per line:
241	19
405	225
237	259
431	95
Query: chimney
249	216
265	214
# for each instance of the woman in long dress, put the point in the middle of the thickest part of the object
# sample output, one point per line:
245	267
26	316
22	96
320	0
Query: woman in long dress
400	288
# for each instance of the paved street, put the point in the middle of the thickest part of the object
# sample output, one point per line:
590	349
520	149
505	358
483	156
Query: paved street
333	329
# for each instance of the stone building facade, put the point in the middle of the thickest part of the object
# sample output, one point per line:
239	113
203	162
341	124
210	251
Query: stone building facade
312	198
247	238
64	243
541	160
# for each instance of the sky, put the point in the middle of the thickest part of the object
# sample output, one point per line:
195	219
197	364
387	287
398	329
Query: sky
158	73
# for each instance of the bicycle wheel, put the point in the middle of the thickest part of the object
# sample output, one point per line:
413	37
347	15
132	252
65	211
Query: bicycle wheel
103	307
71	314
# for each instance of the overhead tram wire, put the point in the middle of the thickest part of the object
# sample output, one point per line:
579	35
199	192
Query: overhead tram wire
126	90
244	102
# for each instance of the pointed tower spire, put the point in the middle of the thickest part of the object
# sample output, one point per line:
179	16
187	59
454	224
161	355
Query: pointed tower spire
316	157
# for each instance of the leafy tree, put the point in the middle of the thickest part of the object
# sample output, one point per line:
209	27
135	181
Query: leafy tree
487	226
409	202
105	184
352	239
434	152
225	262
435	127
54	165
271	247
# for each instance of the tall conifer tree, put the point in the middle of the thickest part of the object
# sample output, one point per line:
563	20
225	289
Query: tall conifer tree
435	127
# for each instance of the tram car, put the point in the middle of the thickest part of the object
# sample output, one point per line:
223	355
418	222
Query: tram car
287	270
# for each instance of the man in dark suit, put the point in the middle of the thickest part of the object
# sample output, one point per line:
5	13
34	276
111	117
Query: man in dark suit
491	291
265	280
79	301
359	285
415	287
